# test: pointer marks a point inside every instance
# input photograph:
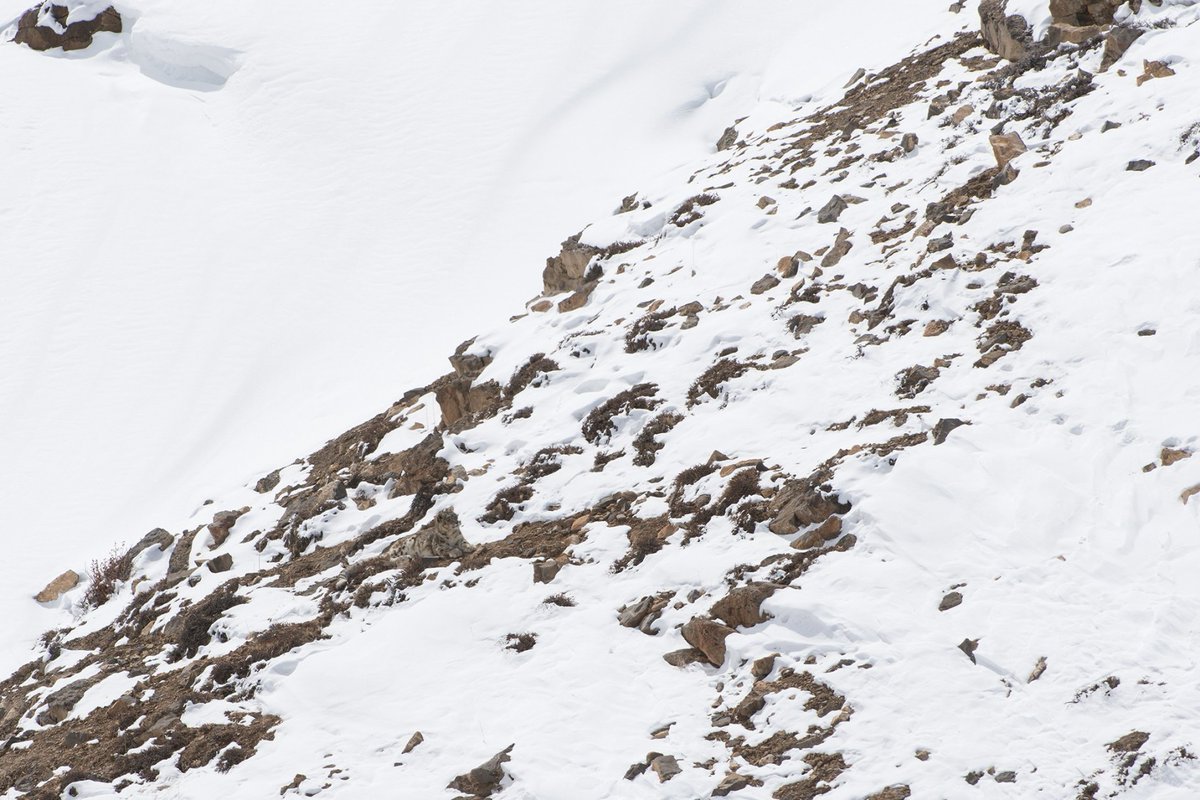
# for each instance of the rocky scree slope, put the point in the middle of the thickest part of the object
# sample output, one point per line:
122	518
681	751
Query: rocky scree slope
860	466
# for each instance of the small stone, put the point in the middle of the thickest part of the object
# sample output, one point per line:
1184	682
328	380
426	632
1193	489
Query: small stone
1139	165
1084	203
1038	669
900	792
922	755
764	201
1008	776
1066	228
787	267
1146	332
961	113
969	646
728	139
541	306
909	142
951	600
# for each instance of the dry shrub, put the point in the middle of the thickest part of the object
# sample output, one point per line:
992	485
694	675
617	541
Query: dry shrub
103	576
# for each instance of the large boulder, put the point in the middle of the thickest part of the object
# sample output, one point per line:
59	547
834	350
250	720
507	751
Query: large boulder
70	24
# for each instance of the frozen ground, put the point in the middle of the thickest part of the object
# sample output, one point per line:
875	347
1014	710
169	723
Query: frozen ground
234	230
895	451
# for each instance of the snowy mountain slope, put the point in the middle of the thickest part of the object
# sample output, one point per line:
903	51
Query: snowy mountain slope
886	447
232	231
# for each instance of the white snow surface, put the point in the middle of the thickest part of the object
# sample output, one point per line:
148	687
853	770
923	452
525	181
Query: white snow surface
1040	510
233	230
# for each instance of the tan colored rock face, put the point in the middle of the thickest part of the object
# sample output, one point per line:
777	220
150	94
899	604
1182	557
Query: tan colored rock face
1006	147
1008	36
57	587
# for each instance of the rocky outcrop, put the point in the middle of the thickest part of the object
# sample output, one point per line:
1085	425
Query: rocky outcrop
71	26
568	271
1007	35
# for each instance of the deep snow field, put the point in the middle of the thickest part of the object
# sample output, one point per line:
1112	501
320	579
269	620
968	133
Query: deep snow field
234	230
888	448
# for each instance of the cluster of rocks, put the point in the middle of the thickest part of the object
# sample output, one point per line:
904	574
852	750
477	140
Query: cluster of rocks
47	26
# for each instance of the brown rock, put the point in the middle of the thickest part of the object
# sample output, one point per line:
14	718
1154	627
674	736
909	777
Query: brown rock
1006	147
1130	742
1008	36
1062	32
937	327
762	667
841	246
832	210
484	779
222	524
57	587
741	607
951	600
665	767
681	658
943	427
1119	39
708	637
545	570
1171	456
222	563
732	782
764	284
38	28
801	503
909	142
1038	669
900	792
787	267
568	271
414	742
961	113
